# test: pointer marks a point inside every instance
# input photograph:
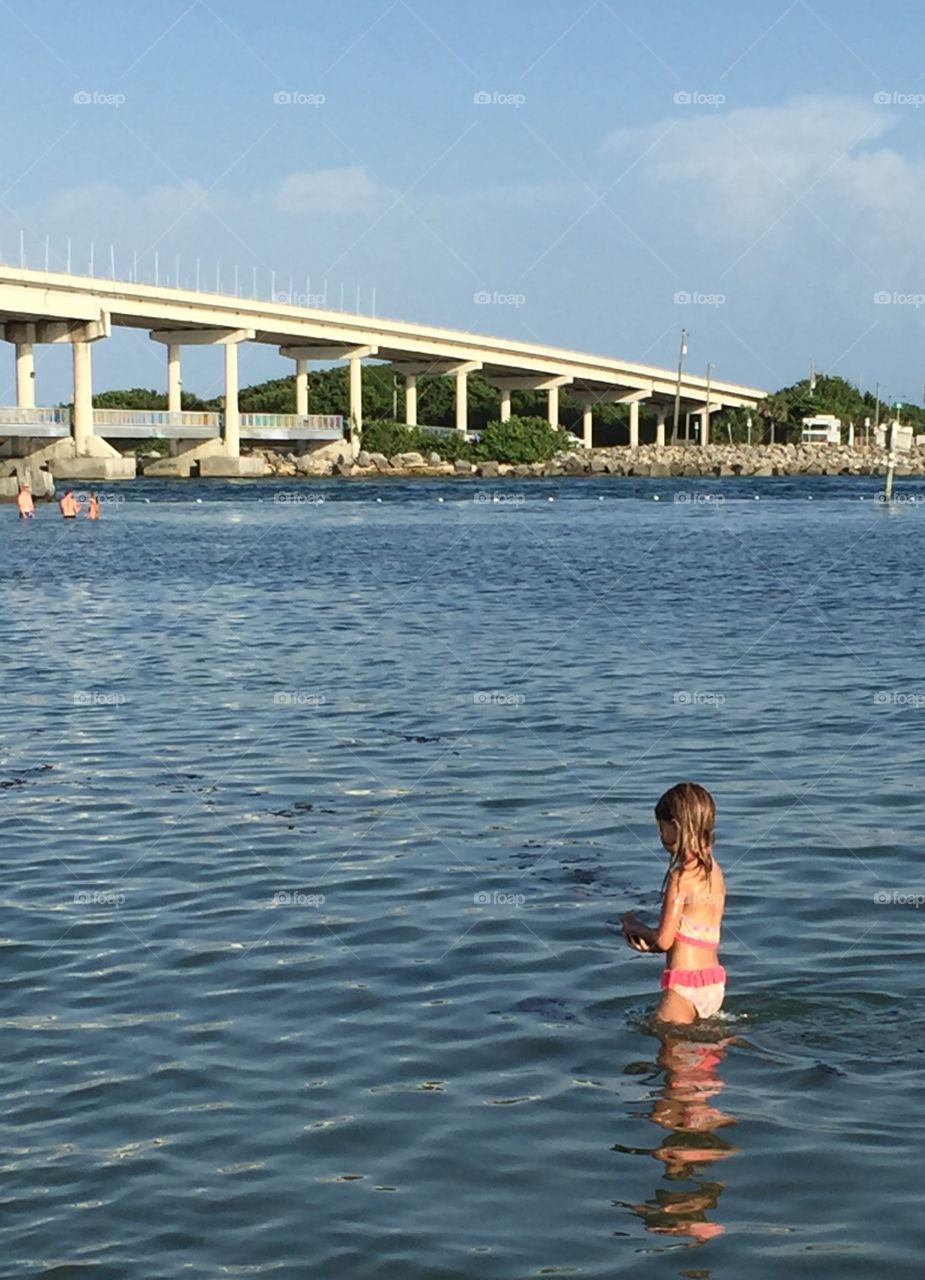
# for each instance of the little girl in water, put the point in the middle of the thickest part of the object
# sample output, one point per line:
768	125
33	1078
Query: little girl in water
694	982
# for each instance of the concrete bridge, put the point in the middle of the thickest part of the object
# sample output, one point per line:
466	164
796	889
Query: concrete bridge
44	307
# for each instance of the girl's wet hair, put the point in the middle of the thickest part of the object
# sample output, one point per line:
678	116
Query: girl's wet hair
693	809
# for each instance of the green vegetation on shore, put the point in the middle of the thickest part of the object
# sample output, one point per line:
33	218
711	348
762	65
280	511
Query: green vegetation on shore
517	440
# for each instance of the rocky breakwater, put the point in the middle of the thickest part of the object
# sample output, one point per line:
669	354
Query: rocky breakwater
717	460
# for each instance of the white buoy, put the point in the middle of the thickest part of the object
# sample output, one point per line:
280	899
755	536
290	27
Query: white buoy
550	499
655	498
439	499
757	497
378	499
199	499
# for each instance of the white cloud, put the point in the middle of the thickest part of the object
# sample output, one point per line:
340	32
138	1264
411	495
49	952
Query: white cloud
740	170
340	191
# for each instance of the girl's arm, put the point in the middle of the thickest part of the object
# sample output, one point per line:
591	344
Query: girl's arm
661	938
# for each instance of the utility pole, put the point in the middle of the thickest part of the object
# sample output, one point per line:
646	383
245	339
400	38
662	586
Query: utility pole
677	394
891	456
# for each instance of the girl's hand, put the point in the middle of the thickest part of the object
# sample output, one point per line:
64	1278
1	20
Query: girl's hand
632	933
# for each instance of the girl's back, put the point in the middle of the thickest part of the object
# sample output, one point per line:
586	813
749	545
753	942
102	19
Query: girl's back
703	901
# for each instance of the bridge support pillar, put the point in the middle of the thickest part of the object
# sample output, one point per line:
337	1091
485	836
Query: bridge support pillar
301	388
462	401
660	430
82	419
548	382
634	424
231	431
411	399
25	375
587	425
302	352
705	425
356	392
174	384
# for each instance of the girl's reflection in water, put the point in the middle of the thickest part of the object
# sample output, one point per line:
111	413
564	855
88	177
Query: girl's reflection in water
684	1107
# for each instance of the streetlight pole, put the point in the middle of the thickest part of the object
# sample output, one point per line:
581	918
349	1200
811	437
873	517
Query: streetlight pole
677	394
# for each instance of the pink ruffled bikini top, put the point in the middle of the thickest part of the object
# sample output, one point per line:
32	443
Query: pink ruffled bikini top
697	935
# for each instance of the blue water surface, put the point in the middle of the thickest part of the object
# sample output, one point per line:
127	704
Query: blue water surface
320	801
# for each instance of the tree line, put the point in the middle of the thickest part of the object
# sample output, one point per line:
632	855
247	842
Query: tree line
778	418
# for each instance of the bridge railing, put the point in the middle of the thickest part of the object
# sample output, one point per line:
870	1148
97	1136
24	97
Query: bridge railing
157	424
292	426
57	414
51	422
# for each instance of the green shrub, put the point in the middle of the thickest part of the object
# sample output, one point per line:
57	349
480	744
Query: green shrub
388	438
520	440
450	447
380	436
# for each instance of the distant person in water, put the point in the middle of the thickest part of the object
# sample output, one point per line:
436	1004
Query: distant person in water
694	896
68	505
25	503
93	507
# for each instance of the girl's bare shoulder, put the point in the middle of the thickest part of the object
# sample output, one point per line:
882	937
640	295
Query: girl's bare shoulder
694	885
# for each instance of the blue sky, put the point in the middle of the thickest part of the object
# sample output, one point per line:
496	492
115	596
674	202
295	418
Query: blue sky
601	173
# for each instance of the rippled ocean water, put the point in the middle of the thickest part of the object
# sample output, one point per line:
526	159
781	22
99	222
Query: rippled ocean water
317	819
